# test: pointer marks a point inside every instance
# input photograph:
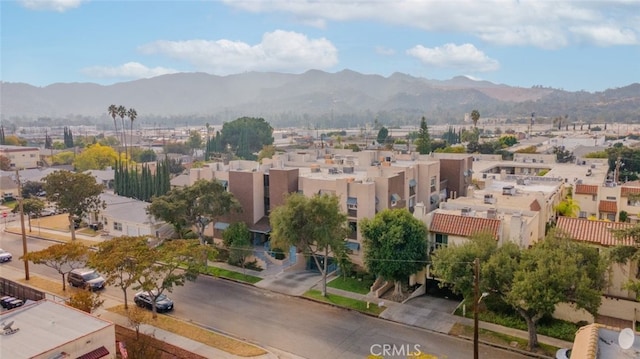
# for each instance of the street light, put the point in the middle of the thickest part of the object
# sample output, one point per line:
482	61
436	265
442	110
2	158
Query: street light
477	297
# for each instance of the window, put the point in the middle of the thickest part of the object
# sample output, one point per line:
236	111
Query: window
32	155
412	187
611	217
611	198
433	184
582	214
442	240
117	226
633	202
594	197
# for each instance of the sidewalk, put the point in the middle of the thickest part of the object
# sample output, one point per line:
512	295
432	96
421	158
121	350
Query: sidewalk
441	322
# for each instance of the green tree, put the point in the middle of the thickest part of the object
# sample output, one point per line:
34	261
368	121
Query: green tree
118	261
568	207
453	264
122	113
113	112
63	158
315	225
535	280
95	157
237	239
195	141
132	114
172	264
267	152
13	140
423	143
395	245
625	253
63	257
383	134
31	207
246	136
85	300
77	194
507	141
475	116
32	188
194	206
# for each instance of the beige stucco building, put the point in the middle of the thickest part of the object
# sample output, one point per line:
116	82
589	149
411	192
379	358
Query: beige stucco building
21	157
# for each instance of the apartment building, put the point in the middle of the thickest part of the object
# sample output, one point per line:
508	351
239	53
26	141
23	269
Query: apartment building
21	157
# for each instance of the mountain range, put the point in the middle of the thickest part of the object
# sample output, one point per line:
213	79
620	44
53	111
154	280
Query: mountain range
316	98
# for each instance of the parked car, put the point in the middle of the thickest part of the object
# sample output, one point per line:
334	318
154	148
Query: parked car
163	303
9	302
86	278
5	256
47	212
563	353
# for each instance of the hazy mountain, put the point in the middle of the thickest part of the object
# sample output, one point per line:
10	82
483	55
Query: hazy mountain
332	99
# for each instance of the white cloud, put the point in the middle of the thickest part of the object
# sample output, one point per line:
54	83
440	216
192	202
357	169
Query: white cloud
461	57
544	24
278	51
130	70
51	5
606	35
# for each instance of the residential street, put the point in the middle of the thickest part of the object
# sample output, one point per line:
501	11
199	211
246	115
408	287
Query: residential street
290	324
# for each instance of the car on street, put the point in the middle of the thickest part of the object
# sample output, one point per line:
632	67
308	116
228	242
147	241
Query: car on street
5	256
86	278
163	303
47	212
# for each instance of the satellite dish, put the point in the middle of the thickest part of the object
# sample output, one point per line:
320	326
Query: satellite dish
7	326
626	338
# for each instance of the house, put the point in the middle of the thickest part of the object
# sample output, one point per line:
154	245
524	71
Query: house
21	157
617	301
125	216
46	329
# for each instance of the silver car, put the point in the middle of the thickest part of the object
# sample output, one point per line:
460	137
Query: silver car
5	256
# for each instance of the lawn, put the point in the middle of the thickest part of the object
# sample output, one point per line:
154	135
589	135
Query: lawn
344	302
351	284
223	273
500	339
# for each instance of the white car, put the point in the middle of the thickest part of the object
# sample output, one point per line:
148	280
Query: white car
563	354
5	256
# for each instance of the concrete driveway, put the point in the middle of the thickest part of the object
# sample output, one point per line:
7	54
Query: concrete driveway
426	312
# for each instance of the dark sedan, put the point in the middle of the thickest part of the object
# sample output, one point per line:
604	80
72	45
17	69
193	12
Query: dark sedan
163	303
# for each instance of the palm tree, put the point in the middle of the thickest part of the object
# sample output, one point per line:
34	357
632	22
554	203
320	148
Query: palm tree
132	114
113	112
475	116
122	112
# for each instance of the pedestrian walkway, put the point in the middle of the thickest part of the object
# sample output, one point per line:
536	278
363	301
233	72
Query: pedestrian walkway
439	321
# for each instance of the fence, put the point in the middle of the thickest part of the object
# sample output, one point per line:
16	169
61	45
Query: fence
8	287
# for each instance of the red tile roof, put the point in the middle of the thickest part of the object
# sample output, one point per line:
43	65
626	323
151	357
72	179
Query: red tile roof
463	226
597	232
535	205
586	189
608	206
626	191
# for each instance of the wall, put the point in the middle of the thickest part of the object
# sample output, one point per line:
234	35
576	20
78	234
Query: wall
104	337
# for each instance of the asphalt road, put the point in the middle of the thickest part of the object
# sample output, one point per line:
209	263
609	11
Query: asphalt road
294	325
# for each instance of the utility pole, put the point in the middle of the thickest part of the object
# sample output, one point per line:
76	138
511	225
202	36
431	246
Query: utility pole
476	300
24	234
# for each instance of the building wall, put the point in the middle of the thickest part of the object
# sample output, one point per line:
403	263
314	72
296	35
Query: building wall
21	157
120	227
248	188
282	182
453	170
104	337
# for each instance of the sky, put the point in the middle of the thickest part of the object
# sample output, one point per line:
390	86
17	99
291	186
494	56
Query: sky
573	45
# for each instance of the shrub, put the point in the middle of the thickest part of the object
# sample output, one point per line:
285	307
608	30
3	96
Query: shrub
277	253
